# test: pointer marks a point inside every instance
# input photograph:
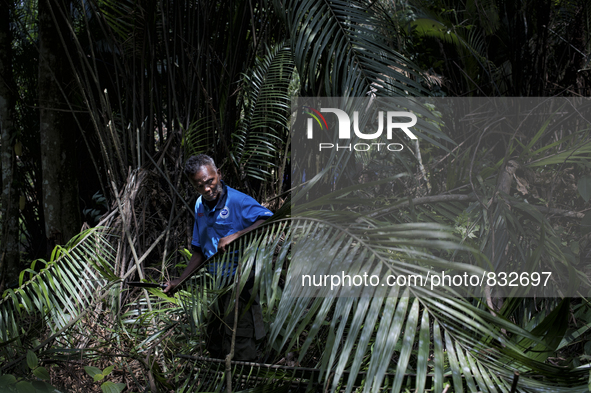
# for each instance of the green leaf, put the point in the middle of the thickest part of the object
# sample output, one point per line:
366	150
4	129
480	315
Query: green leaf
468	375
584	187
110	387
108	370
32	360
405	352
454	365
7	379
423	352
43	387
438	357
41	373
25	387
92	371
550	331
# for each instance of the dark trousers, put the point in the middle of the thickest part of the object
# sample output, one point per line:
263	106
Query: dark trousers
249	329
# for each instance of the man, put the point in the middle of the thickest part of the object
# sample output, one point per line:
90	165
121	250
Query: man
222	214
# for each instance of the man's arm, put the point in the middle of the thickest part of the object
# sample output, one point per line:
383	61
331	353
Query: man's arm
195	263
197	259
225	241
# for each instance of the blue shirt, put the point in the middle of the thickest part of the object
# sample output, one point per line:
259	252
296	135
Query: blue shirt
233	212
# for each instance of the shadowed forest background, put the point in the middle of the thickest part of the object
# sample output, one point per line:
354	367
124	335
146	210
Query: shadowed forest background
102	101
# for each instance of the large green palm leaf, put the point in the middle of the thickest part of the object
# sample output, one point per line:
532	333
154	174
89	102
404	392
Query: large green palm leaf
262	135
339	50
52	300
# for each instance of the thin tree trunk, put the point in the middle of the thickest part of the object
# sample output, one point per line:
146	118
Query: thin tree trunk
9	242
57	129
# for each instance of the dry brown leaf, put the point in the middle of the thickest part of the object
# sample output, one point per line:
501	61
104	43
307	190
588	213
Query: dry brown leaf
522	185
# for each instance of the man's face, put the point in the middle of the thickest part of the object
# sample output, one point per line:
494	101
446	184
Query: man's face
207	182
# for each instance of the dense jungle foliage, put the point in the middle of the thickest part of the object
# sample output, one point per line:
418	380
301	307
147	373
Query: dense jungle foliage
102	101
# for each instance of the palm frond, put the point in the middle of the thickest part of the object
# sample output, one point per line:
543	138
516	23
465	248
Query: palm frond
470	44
262	135
53	299
198	136
340	52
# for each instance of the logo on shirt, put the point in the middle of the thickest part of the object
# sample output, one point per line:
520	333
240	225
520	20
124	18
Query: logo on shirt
200	214
225	212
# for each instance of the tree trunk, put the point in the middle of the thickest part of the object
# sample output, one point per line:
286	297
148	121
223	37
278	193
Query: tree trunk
57	128
9	242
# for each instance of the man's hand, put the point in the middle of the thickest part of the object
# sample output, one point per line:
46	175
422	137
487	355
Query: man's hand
171	285
225	241
197	259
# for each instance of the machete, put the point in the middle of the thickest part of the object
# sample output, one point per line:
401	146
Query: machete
140	284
